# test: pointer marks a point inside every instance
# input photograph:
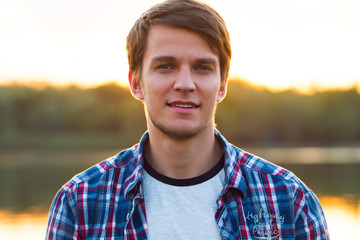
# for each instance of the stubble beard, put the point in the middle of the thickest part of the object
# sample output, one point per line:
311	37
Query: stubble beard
182	134
178	134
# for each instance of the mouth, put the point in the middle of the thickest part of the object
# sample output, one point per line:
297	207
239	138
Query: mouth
184	107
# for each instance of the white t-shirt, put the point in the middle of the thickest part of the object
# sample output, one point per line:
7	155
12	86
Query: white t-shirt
182	208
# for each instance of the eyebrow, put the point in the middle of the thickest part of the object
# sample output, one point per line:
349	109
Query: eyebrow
160	59
209	61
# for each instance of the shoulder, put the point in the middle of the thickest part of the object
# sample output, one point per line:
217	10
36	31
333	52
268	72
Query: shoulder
245	170
258	170
272	185
264	178
116	168
260	165
93	188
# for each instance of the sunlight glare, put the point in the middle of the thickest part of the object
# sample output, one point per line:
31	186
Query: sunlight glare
278	44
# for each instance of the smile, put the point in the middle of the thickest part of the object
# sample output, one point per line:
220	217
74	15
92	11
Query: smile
183	105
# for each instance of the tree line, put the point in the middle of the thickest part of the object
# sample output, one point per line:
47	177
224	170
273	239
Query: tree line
108	116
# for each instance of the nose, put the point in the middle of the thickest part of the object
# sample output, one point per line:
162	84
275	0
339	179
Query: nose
184	80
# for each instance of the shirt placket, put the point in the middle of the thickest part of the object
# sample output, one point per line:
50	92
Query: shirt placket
131	230
223	220
232	224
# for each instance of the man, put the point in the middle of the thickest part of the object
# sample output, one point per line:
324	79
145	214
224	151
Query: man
183	180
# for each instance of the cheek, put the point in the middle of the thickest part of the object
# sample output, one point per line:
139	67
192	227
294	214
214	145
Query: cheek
153	97
210	92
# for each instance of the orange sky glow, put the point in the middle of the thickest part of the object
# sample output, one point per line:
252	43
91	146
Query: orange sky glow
277	44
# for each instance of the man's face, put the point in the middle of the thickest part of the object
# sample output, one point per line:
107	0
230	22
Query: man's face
180	82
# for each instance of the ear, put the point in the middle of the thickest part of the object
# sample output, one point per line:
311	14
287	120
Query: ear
135	86
222	90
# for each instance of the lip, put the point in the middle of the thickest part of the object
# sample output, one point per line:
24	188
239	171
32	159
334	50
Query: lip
185	107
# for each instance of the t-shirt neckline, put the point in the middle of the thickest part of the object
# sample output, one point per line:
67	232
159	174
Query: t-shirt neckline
188	181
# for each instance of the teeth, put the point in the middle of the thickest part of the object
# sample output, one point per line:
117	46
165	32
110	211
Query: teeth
183	106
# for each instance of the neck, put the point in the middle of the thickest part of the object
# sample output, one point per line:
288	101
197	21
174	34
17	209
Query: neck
185	158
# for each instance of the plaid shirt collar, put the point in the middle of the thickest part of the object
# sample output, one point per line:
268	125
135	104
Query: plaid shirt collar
234	178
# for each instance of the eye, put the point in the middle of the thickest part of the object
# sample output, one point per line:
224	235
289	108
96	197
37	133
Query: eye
203	69
164	67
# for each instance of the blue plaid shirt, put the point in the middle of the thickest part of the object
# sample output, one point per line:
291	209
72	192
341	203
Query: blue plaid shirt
259	201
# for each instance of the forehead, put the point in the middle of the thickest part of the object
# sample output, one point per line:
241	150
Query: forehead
177	42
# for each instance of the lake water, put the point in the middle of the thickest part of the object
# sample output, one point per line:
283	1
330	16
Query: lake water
29	180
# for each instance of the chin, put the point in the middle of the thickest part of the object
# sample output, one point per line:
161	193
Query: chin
179	133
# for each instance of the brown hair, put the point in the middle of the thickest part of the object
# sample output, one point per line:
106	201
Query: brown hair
189	14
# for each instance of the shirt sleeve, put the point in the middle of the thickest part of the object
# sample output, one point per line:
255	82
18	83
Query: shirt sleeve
310	222
62	223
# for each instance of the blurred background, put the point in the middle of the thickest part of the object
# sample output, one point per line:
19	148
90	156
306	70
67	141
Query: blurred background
293	98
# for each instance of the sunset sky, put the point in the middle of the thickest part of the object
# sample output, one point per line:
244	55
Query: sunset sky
278	44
